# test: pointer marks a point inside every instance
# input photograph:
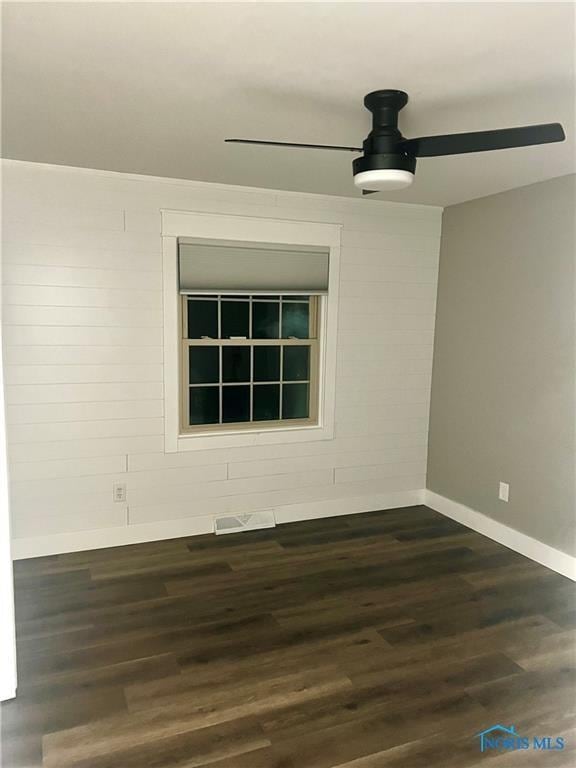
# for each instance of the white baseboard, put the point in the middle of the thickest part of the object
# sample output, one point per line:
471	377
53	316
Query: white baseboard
59	543
348	506
78	541
532	548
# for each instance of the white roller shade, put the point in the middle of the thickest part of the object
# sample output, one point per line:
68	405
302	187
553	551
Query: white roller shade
217	266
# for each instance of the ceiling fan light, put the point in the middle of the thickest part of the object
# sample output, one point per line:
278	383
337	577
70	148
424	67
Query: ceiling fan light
383	179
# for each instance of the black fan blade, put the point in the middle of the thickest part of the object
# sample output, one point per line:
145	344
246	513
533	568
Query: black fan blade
290	144
483	141
369	191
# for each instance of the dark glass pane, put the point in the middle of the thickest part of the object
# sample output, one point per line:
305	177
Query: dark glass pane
204	368
202	319
266	363
260	297
266	402
265	320
295	321
235	318
204	405
235	404
296	364
235	363
295	401
296	298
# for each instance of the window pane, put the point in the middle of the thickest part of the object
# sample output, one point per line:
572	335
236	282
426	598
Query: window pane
202	319
235	318
266	363
235	363
295	401
235	404
266	402
295	298
265	320
204	405
204	367
295	321
296	364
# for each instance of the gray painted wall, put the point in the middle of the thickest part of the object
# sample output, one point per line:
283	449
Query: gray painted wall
503	384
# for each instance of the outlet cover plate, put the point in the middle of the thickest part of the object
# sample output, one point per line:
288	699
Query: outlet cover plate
119	492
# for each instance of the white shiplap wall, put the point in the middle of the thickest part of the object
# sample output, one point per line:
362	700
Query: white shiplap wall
82	344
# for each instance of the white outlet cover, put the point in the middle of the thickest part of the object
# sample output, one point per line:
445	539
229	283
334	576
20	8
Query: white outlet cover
503	491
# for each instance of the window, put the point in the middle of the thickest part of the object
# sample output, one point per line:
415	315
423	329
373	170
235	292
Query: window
249	361
250	308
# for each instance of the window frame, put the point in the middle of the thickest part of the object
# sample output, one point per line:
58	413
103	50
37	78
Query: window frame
319	425
312	342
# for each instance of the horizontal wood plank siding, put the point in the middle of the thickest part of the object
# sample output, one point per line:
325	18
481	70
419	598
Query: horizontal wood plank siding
82	316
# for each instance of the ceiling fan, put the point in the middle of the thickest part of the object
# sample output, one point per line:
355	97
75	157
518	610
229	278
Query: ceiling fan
389	160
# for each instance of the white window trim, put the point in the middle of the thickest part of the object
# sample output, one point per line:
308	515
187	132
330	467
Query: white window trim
177	224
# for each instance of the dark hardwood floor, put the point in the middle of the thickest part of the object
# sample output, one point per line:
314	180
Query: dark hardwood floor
387	639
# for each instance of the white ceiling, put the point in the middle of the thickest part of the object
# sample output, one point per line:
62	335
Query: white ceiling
154	88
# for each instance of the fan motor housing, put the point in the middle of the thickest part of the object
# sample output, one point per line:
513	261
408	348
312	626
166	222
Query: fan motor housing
382	145
380	162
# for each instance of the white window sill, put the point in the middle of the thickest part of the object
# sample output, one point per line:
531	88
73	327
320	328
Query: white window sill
247	437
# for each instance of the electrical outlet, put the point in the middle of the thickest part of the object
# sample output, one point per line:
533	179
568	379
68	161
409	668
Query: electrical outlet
503	491
119	491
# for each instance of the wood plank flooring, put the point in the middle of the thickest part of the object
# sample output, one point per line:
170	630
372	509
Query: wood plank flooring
382	640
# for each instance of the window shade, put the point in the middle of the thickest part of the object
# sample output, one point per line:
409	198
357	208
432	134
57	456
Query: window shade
207	266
